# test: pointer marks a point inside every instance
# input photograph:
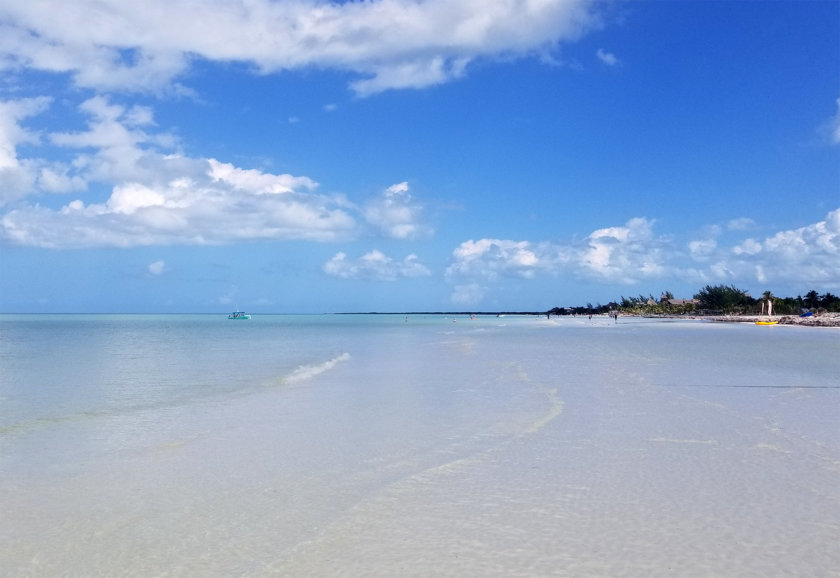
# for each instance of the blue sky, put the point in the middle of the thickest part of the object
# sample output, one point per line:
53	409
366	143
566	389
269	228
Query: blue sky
303	156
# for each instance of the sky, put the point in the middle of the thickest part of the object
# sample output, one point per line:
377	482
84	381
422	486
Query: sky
305	156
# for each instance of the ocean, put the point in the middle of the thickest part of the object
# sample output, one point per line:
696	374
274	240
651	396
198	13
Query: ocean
416	445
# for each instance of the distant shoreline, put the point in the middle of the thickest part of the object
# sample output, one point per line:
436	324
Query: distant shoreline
823	320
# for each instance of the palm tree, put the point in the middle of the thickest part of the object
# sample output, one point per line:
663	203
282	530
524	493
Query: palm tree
812	299
767	296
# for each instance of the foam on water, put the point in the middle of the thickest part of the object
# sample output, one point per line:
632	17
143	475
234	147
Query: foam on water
305	372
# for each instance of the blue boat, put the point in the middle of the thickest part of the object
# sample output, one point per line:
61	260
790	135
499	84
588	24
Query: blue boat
239	315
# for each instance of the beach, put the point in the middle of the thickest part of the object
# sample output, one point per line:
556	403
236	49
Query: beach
419	446
824	320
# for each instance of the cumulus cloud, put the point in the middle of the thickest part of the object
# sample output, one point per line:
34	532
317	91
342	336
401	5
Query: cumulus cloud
747	247
159	196
396	214
20	177
807	255
57	178
11	132
213	207
633	253
387	44
813	242
490	259
702	248
17	176
375	265
623	254
117	145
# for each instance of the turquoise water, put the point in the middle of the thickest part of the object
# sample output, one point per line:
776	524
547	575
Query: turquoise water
515	446
66	366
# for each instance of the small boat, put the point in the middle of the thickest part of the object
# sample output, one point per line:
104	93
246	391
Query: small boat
239	315
766	322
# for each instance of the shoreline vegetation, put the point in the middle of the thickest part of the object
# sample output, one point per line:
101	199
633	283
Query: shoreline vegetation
720	303
723	303
821	320
818	320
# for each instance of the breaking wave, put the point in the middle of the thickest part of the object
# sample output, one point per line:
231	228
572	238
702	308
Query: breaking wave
304	372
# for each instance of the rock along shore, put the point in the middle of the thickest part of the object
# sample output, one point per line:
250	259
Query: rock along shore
824	320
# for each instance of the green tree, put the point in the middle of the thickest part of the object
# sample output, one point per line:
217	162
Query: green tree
830	302
726	298
811	299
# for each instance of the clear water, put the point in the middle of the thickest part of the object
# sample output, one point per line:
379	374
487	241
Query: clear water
427	445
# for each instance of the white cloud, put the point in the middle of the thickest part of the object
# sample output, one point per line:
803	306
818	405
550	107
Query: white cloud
815	241
157	268
57	179
808	256
414	74
11	133
17	176
201	209
161	197
20	177
375	265
112	44
740	224
702	248
396	214
623	254
747	247
258	182
489	259
123	150
607	57
633	253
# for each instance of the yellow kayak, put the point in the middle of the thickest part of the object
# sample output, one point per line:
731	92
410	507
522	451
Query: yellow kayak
766	322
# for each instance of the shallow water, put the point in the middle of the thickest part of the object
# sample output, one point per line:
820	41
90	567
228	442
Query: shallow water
427	445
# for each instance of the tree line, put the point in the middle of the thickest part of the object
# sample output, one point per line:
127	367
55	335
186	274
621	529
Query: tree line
711	300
